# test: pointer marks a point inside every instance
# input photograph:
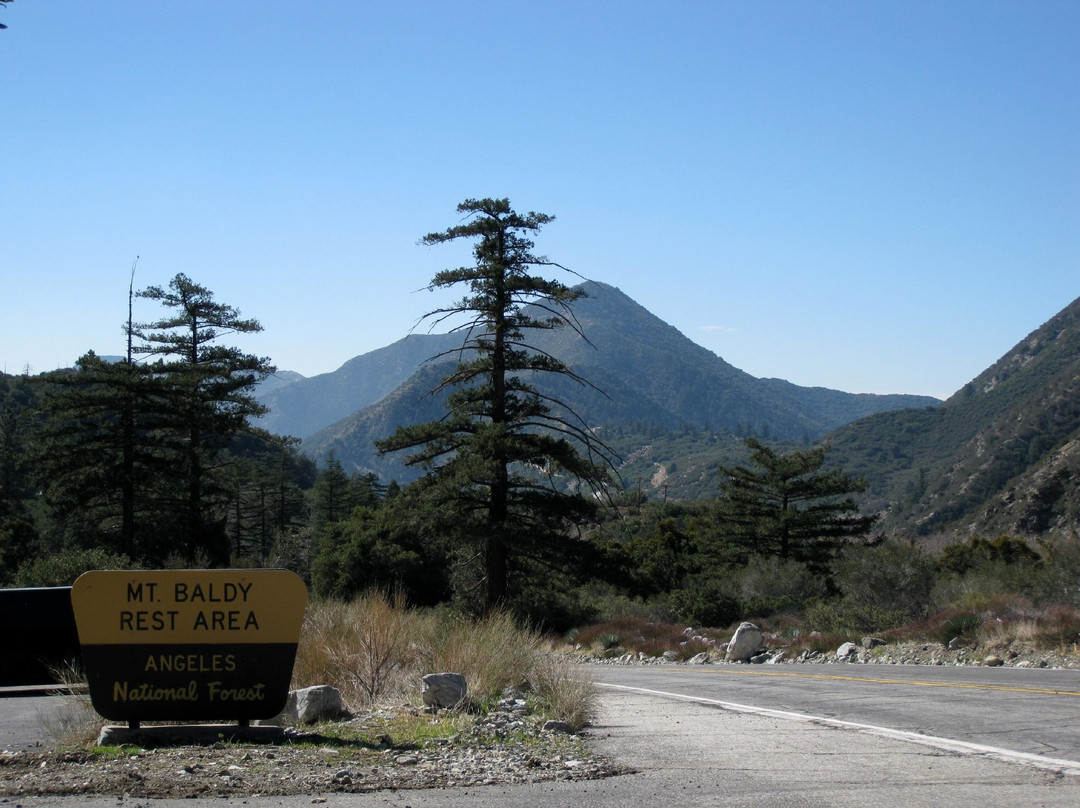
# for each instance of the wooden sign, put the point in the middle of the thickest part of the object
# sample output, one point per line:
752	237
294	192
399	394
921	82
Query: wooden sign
189	645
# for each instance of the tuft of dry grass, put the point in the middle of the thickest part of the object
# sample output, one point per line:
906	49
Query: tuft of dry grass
1059	629
631	633
374	648
362	647
493	653
71	721
564	692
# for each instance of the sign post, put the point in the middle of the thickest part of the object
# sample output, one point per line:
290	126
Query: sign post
189	645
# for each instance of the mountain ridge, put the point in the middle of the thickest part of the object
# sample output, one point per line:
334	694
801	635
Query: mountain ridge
648	370
1001	455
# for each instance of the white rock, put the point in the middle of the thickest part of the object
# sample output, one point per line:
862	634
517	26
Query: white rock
313	704
444	690
847	651
745	643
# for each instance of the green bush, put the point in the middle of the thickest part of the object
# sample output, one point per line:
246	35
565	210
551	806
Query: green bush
1056	580
768	585
961	624
706	605
843	618
963	558
885	584
609	641
61	569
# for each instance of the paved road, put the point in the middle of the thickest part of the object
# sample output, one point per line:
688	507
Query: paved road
1029	711
24	720
699	753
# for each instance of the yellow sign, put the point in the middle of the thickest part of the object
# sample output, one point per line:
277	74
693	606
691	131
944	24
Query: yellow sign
189	644
188	606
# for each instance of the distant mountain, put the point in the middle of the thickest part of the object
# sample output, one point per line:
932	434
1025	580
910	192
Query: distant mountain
277	381
1001	456
307	405
648	371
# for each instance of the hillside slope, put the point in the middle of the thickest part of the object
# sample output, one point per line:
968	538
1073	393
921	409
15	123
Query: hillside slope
306	405
648	372
1000	456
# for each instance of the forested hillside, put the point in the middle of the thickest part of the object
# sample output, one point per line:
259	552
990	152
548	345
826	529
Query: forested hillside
642	372
1000	456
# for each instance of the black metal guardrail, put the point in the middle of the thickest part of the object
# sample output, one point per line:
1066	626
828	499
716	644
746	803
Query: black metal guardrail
37	630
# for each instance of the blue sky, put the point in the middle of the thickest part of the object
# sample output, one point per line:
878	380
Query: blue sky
871	196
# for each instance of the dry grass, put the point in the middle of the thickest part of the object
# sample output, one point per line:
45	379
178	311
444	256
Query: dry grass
998	622
361	647
71	720
492	653
374	649
564	691
632	634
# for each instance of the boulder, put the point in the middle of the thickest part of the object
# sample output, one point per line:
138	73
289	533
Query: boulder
872	642
444	690
313	704
745	643
698	659
847	651
308	706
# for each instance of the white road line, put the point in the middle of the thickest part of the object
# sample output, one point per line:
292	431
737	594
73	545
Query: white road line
1068	767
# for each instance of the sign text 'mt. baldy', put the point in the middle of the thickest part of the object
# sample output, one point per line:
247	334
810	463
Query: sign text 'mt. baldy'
189	645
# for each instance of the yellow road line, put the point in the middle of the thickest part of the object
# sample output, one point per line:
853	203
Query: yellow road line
884	681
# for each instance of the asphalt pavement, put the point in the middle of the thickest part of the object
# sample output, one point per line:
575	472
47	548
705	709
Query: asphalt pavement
1019	711
689	753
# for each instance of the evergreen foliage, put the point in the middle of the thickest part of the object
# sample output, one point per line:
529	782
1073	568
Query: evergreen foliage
210	390
100	453
787	506
492	461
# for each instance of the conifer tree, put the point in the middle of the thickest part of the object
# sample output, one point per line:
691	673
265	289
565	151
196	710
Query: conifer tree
786	506
210	387
492	462
333	495
100	451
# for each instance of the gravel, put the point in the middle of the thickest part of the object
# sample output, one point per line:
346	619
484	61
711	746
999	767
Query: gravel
501	748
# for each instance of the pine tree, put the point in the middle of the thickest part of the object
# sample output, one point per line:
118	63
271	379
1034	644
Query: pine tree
333	495
100	451
492	462
209	385
787	506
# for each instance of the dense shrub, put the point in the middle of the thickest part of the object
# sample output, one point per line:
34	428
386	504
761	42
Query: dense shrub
846	619
705	605
769	585
1058	579
61	569
963	558
889	582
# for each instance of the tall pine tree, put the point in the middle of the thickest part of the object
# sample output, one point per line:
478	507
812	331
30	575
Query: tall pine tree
494	460
210	386
99	454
